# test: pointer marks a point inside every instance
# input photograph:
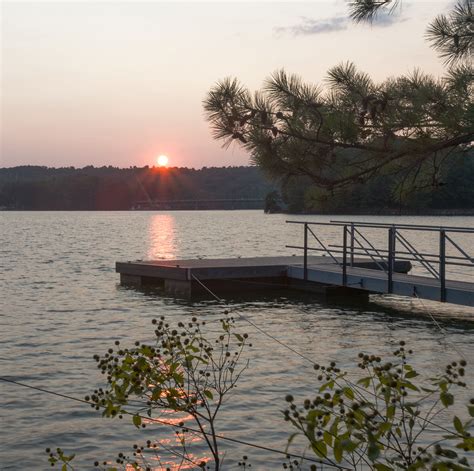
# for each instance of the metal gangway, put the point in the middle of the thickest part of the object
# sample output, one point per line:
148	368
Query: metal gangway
431	276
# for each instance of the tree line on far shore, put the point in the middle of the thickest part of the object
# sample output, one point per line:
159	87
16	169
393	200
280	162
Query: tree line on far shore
112	188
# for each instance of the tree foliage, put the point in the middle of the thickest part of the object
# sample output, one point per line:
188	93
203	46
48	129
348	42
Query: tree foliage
183	371
394	417
389	193
451	35
387	420
352	130
356	129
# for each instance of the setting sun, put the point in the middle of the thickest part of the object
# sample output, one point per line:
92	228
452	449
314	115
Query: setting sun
162	161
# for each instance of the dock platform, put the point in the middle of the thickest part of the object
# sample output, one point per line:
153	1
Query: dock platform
353	267
180	277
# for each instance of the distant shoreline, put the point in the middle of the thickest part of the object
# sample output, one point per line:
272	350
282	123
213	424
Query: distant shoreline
431	212
388	212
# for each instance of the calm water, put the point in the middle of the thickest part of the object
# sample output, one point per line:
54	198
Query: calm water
61	303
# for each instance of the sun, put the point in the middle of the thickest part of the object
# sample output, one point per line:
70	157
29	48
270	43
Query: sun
162	160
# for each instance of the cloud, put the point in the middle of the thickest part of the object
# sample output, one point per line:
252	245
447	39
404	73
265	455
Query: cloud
310	26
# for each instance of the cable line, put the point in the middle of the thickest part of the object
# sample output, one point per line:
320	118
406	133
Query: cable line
296	352
163	422
441	329
288	347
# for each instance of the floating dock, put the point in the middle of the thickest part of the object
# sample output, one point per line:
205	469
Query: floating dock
187	277
352	267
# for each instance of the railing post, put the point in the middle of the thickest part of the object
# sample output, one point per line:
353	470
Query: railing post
391	257
305	251
344	258
442	264
352	243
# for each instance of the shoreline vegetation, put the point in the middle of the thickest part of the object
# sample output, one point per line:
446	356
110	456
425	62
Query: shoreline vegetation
36	188
441	213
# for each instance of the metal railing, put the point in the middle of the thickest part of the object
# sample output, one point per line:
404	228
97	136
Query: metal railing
356	243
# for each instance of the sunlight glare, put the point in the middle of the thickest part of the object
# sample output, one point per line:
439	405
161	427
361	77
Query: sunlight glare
162	160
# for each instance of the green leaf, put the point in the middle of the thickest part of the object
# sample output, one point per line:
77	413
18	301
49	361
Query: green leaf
313	415
409	385
364	381
349	393
326	419
310	431
458	425
349	445
471	410
411	374
447	399
390	411
64	467
385	426
137	420
333	429
320	448
329	384
382	467
208	394
451	454
290	440
327	437
156	394
337	450
373	451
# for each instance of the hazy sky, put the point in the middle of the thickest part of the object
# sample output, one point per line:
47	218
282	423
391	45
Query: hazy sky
109	83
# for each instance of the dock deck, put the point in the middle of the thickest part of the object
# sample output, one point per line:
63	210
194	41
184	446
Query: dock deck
375	281
180	277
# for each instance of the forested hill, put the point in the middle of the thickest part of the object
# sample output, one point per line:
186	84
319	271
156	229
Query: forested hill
110	188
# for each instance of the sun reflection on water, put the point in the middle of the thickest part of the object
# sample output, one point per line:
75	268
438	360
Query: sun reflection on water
161	237
168	453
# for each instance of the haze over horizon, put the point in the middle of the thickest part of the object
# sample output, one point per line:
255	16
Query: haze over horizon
109	83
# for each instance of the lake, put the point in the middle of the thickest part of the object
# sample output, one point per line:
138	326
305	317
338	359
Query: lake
61	303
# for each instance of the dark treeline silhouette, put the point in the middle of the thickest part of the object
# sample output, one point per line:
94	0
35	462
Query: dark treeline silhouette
111	188
385	193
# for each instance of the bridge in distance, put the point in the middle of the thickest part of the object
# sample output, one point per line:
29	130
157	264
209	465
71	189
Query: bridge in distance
199	204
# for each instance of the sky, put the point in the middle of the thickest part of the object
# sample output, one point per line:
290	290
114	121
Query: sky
119	83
